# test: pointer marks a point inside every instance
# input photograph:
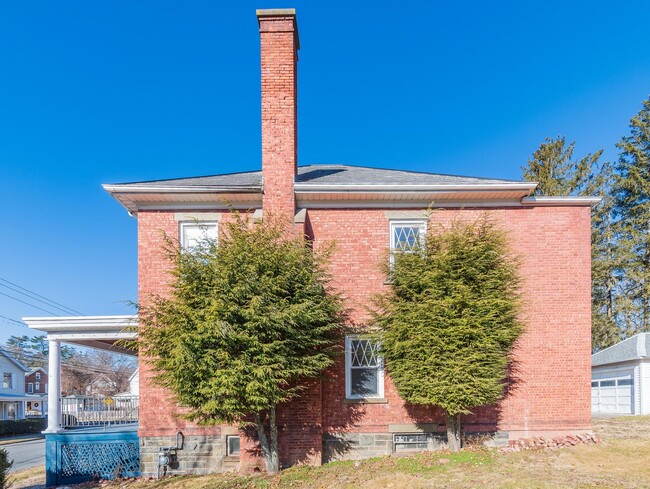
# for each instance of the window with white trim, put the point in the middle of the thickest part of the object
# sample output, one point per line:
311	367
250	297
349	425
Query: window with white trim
38	386
194	235
38	376
30	388
7	380
364	369
406	235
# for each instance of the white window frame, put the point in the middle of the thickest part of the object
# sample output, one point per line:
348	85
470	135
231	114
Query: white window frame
38	376
421	223
30	388
183	225
348	371
37	386
10	382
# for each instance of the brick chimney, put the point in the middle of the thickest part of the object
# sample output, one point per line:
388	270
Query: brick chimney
279	57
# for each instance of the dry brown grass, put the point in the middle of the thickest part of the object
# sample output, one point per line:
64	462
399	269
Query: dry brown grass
33	478
622	460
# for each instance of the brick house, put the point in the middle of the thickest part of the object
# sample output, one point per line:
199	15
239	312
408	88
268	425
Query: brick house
36	381
367	211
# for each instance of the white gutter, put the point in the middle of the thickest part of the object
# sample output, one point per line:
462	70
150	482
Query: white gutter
560	201
130	189
338	188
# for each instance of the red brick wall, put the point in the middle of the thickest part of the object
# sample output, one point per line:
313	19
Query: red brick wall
553	354
278	50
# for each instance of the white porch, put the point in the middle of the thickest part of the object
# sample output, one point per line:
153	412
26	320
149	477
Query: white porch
100	332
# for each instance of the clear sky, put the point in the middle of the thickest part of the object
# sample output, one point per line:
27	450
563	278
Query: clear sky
116	91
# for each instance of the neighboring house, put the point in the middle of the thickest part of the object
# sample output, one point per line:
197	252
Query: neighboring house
36	381
12	387
36	392
101	385
366	211
620	377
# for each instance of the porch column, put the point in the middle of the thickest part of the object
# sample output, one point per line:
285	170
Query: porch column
54	389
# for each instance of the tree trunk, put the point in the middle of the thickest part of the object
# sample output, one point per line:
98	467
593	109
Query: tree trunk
273	467
453	431
269	449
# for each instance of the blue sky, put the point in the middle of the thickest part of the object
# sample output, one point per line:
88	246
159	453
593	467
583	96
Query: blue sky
114	91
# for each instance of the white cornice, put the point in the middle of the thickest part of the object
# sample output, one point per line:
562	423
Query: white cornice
560	201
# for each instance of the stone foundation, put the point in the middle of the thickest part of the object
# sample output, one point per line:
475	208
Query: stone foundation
206	454
203	454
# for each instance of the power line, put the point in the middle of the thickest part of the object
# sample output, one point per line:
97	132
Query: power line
13	321
34	296
30	305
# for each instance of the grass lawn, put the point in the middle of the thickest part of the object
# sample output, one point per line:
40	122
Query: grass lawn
622	460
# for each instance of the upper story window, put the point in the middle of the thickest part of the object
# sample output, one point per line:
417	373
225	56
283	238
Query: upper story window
38	386
194	234
30	388
7	380
38	376
364	369
406	235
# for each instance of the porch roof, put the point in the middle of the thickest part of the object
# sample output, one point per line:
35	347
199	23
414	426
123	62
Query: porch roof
101	332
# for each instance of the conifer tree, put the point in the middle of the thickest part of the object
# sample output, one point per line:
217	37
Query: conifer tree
632	191
245	324
450	319
558	174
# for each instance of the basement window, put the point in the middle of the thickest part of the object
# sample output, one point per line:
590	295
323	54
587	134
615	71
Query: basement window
232	446
411	442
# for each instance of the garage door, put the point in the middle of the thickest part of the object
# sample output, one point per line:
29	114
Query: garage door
613	392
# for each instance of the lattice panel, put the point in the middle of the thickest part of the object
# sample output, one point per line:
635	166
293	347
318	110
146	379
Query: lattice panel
105	460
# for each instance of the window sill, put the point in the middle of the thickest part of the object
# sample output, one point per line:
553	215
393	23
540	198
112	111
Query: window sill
367	400
231	458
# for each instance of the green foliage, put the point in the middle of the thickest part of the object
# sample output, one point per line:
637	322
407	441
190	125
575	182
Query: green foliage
11	427
632	191
558	174
5	465
32	351
451	317
247	322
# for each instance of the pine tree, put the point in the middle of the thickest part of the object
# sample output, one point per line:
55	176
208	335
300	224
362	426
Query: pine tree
632	191
558	174
246	323
450	319
607	305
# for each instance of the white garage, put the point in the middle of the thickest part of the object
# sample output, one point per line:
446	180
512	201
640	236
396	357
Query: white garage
620	377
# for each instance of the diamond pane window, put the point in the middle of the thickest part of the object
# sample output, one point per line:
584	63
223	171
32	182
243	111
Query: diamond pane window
194	235
405	236
364	373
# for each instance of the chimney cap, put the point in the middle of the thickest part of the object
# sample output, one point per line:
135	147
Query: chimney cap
276	12
270	13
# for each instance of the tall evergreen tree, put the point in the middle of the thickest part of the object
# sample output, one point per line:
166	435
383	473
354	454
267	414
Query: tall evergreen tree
450	319
632	191
246	323
552	165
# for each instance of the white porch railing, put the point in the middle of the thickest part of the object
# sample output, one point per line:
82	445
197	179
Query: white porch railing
98	411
